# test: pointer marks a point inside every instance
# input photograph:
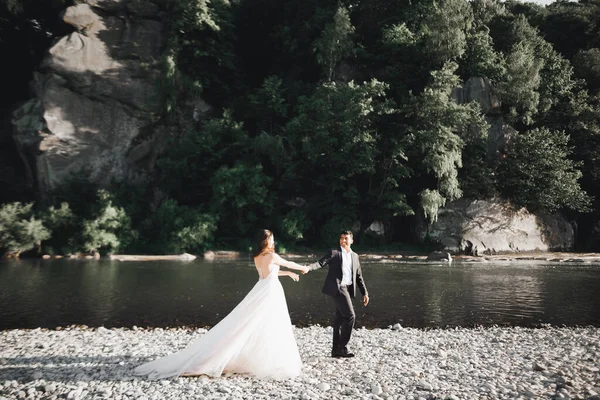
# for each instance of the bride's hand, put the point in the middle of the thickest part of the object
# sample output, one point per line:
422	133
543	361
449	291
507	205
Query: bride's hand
294	276
305	270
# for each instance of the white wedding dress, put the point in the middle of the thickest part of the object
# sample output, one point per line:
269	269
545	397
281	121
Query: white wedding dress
255	338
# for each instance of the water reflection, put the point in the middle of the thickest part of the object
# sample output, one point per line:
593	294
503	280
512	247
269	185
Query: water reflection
111	293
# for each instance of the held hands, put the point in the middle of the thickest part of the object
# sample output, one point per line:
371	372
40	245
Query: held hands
305	269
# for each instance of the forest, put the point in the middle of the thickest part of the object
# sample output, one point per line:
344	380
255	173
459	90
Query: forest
327	115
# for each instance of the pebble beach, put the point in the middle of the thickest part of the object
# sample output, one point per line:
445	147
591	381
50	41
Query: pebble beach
393	363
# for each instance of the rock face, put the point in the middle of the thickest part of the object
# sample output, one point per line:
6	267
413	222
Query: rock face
492	226
96	93
480	90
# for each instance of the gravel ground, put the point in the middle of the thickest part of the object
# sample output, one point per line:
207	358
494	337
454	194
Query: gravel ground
395	363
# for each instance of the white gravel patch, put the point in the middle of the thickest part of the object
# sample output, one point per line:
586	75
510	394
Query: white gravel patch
399	363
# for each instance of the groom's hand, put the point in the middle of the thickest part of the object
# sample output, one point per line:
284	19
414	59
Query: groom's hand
365	300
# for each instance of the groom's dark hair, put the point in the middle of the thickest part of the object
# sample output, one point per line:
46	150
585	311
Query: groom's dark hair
349	233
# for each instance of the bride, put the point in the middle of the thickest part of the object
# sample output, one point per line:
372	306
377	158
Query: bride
255	338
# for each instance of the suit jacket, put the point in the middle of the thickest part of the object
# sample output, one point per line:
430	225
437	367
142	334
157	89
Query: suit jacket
333	259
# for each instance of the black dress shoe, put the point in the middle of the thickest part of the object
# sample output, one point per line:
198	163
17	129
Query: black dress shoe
341	354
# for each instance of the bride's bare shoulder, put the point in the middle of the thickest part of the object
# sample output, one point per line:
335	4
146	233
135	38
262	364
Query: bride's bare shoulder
265	257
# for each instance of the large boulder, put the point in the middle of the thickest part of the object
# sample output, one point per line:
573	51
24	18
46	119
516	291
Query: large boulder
95	95
494	226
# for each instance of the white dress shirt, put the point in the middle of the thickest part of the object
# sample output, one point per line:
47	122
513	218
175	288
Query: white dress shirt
346	267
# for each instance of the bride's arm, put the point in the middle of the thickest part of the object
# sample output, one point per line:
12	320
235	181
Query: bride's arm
291	274
289	264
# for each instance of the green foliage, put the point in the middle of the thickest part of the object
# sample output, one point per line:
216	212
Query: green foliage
267	112
306	158
109	230
337	149
520	90
174	229
480	58
65	228
583	122
200	55
438	129
537	173
484	11
571	26
431	202
295	224
240	197
398	35
477	175
268	101
19	229
335	42
79	192
193	158
538	78
587	66
444	30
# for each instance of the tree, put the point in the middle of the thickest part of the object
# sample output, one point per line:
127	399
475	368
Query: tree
65	228
109	230
335	43
240	197
193	158
201	48
173	228
537	172
444	31
520	90
587	66
19	229
484	11
480	58
437	130
334	139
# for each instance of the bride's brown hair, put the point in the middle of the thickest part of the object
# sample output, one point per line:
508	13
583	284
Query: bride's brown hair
262	240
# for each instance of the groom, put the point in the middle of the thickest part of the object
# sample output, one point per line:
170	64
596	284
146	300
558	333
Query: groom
342	279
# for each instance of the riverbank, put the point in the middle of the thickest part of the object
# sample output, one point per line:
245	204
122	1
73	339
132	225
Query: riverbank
374	256
400	363
554	257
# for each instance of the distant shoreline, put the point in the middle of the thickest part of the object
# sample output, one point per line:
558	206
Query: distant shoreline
369	256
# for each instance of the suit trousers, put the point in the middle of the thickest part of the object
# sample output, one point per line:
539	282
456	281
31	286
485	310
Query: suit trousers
343	322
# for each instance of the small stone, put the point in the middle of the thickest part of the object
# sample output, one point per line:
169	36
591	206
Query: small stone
323	386
49	388
538	367
376	389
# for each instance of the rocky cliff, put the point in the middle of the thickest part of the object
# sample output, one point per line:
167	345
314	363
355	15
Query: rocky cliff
94	96
480	90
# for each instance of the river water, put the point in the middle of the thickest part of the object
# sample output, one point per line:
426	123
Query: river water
51	293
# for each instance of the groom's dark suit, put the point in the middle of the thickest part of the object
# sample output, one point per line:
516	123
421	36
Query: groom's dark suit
341	294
